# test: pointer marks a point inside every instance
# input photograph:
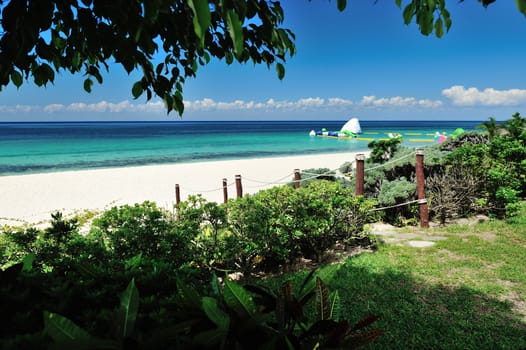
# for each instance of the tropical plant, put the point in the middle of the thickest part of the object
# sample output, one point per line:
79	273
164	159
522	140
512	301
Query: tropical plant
165	40
233	316
491	127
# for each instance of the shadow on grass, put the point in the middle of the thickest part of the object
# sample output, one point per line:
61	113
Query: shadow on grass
416	315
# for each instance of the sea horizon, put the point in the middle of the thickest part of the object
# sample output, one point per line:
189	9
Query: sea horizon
44	146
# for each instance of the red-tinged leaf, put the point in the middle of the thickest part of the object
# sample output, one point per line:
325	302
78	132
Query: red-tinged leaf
365	322
323	305
358	340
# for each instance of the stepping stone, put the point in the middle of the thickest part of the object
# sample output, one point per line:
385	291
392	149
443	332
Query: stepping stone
420	244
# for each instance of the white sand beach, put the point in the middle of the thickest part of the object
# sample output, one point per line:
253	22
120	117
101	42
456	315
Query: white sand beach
31	198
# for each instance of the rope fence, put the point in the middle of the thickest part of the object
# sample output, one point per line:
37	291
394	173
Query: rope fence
360	171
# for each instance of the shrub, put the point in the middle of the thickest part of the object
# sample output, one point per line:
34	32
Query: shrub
145	229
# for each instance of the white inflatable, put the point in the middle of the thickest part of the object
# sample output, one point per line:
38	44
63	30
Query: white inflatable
353	125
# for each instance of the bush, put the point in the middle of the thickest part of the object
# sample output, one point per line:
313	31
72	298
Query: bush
144	229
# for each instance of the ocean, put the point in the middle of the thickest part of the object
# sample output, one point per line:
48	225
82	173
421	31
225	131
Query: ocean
48	147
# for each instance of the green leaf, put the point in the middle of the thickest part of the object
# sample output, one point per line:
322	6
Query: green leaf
76	60
235	29
323	305
16	78
335	307
399	3
439	28
326	273
342	4
127	313
521	5
425	21
62	329
281	70
28	262
239	300
215	314
88	83
137	89
201	19
409	13
188	296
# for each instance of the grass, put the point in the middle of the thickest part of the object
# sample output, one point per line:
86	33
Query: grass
466	292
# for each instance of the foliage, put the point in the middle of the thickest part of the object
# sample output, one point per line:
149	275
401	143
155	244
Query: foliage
165	40
231	317
491	127
498	165
473	138
278	225
128	231
393	193
383	150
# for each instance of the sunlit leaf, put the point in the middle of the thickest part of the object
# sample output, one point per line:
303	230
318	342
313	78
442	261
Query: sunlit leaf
127	313
323	306
238	299
335	307
201	19
235	29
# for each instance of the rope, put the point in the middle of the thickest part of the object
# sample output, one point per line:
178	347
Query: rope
419	201
275	182
209	191
390	161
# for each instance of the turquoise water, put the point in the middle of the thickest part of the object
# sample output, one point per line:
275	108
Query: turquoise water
47	147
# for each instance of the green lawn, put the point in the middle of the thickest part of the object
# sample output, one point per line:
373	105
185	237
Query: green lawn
466	292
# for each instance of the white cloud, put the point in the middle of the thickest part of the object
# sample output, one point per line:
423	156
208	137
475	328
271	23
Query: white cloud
339	102
461	96
333	104
208	104
399	102
54	107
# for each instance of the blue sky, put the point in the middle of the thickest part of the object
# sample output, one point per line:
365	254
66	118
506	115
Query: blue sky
363	62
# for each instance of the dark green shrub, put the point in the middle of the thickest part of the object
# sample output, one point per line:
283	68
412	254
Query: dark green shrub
260	230
145	229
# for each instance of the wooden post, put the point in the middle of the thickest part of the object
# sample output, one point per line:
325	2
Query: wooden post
297	178
177	200
360	176
177	195
225	191
239	187
420	181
